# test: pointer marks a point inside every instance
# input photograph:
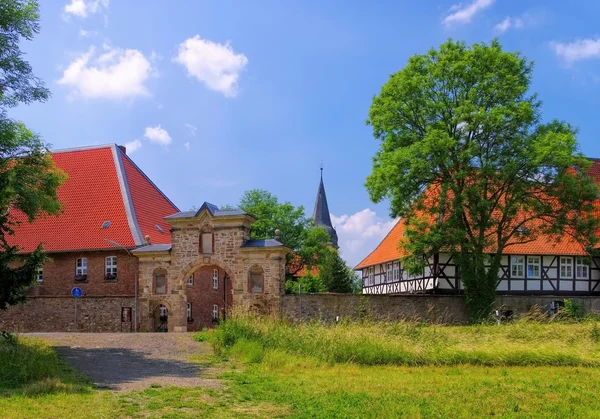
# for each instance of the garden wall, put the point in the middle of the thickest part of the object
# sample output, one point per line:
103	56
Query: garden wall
447	309
57	314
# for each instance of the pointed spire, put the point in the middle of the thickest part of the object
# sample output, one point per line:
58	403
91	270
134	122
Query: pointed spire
321	212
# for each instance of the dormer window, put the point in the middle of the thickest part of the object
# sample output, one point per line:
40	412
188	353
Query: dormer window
81	269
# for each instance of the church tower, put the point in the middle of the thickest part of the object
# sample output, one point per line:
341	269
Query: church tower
321	213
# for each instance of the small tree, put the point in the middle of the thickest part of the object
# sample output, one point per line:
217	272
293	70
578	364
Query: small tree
466	160
28	178
335	274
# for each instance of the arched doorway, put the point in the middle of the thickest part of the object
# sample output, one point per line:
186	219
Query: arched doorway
209	295
161	318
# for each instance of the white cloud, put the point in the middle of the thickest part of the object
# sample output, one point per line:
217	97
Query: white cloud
215	65
133	146
581	49
115	74
187	145
191	129
84	33
360	233
158	135
84	8
464	14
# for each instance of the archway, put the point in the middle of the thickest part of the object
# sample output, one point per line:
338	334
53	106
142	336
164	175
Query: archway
161	318
209	295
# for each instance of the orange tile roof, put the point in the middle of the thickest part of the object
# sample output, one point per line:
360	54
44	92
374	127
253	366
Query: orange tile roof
103	184
388	250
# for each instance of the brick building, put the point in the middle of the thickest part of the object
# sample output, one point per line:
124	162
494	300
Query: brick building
140	262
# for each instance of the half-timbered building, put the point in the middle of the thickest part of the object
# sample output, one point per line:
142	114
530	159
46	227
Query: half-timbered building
540	266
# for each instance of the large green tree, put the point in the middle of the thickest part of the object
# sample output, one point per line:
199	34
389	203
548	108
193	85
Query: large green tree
466	159
309	243
335	275
28	177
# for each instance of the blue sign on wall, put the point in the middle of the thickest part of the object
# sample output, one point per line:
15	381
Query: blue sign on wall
76	292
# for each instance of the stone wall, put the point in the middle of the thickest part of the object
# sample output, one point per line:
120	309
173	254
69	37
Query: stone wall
57	314
447	309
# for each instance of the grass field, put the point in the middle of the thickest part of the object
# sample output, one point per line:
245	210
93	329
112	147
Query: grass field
273	369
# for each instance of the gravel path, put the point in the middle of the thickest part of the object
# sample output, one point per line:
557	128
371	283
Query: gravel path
127	361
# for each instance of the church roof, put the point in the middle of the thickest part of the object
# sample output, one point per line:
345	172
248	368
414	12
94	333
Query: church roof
321	213
106	199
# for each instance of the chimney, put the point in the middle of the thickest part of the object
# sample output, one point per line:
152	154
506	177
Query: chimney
123	148
147	240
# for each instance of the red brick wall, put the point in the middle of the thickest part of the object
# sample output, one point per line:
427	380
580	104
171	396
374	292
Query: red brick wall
203	296
59	274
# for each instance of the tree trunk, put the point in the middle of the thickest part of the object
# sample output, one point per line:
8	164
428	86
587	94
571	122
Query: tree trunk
479	283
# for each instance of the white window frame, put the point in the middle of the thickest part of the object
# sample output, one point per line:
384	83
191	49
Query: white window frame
396	275
215	279
388	274
189	311
566	267
39	276
81	266
534	265
110	268
514	264
584	267
190	280
215	312
371	275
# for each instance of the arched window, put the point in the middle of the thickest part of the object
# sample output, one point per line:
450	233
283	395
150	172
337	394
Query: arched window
256	280
160	281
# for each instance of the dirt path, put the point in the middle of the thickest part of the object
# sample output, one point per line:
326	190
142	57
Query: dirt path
126	361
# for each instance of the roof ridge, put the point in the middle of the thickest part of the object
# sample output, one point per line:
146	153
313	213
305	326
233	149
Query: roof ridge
82	148
134	226
379	245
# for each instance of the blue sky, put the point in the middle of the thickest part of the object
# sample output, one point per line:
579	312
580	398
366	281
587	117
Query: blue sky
221	97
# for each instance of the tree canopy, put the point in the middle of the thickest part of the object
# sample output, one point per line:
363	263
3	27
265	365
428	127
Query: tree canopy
467	161
28	177
309	243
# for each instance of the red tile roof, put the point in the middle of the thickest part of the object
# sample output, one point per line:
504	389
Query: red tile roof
389	250
103	184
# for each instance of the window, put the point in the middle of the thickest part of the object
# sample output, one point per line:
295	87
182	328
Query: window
371	275
388	274
39	276
396	275
566	267
517	266
189	313
207	243
533	266
215	312
215	279
581	269
160	281
190	280
110	267
81	269
256	277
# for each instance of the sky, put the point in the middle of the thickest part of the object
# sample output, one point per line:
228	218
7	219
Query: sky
216	98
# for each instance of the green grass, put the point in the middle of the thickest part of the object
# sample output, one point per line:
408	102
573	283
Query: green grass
272	369
409	344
